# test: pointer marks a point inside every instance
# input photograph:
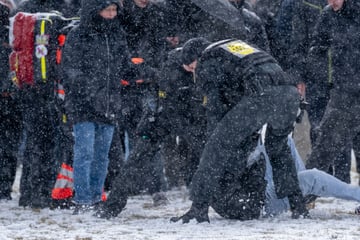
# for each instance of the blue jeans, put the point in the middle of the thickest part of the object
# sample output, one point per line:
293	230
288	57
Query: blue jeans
91	150
311	181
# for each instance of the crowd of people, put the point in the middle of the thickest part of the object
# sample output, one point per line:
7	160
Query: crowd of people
202	94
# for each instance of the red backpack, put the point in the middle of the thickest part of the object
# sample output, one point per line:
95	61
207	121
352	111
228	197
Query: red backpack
37	40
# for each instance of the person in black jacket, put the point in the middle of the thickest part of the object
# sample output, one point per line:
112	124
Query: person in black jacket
181	106
96	59
37	105
256	32
337	31
10	114
180	115
191	21
268	11
142	22
243	88
317	79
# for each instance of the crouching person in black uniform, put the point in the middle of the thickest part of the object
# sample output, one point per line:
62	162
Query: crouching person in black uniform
244	88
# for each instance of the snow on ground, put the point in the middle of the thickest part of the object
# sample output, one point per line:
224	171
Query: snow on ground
331	219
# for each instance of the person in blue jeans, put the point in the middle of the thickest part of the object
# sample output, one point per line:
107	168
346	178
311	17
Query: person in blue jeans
95	59
311	181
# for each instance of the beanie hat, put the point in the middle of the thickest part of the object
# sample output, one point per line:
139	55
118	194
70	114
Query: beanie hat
107	3
193	49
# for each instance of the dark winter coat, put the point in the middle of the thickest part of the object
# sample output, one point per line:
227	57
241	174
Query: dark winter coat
267	11
96	59
180	100
304	19
339	32
144	31
245	71
4	47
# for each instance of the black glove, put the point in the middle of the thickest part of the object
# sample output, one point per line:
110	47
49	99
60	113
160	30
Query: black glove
197	211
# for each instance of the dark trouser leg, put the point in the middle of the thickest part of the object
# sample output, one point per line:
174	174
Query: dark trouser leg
10	130
10	133
130	178
173	161
224	144
242	197
279	155
356	147
316	112
331	140
342	163
337	129
39	164
116	157
196	137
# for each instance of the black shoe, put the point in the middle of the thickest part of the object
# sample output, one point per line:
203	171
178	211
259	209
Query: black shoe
298	207
24	201
81	209
97	206
6	197
105	213
40	202
62	204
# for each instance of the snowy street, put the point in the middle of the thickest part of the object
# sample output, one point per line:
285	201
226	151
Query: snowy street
331	219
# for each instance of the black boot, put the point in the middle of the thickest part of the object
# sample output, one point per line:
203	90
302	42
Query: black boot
107	210
298	207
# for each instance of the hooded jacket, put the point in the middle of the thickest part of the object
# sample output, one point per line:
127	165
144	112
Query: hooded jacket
179	97
304	19
96	59
145	31
339	32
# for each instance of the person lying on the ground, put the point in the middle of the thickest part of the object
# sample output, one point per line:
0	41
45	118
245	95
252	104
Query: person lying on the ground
313	183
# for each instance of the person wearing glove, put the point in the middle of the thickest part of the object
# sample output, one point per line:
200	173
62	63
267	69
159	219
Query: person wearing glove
243	88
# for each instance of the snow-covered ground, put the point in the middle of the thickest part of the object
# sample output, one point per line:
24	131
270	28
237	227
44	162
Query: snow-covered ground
331	219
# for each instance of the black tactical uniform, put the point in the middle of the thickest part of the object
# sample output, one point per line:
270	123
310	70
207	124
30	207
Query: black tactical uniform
244	88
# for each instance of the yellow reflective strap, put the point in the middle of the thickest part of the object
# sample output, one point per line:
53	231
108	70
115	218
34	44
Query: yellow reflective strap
330	68
64	118
205	100
318	7
43	59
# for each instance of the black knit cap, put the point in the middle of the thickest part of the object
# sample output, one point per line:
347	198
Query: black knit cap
193	49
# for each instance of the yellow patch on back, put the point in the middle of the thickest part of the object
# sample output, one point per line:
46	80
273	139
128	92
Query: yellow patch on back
240	48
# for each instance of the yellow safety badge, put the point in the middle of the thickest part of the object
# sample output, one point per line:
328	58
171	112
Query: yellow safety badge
239	48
